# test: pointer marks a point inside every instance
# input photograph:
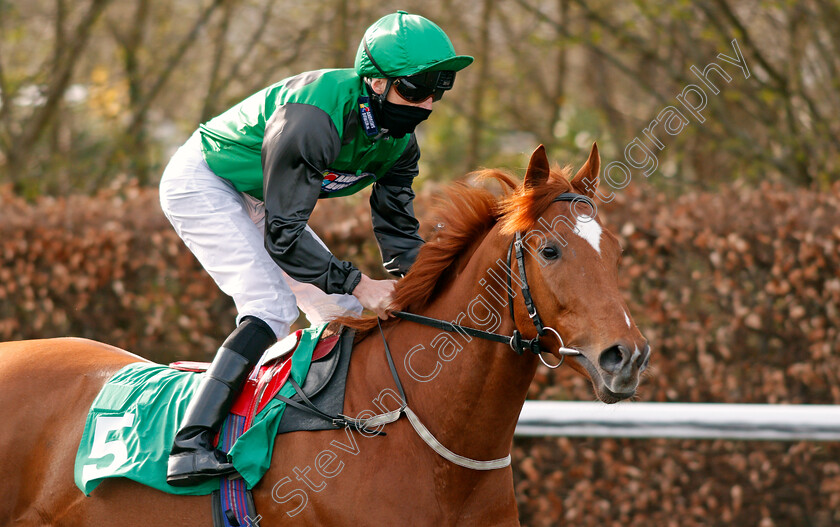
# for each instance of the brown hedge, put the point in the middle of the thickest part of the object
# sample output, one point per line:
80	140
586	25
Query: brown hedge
738	291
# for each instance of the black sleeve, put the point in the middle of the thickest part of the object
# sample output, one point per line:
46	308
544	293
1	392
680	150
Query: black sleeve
300	143
392	213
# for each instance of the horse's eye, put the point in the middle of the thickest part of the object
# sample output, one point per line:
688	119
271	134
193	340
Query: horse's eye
549	252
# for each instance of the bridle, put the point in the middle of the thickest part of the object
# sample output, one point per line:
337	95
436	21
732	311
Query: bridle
516	341
373	425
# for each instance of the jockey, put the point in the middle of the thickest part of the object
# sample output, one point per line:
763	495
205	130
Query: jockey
240	192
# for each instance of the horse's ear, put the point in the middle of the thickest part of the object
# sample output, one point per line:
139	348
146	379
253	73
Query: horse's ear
586	180
538	168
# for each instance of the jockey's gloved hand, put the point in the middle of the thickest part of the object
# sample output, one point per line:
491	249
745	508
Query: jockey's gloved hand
375	295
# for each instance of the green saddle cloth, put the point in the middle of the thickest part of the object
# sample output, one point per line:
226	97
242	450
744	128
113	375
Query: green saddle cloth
132	423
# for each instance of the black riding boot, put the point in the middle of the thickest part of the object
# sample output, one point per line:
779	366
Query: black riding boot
193	459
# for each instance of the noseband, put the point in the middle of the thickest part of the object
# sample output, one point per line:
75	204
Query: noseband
516	342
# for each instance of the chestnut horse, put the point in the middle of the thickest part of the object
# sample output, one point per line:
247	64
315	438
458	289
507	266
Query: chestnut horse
467	391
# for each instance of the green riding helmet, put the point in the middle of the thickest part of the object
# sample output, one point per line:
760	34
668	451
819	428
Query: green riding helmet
401	45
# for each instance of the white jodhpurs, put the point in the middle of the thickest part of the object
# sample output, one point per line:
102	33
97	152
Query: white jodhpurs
224	229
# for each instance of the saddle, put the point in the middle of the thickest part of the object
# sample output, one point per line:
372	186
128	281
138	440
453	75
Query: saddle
330	362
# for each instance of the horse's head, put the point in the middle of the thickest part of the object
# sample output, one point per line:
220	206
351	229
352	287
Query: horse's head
571	265
572	270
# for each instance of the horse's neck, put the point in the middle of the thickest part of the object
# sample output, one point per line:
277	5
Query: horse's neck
468	391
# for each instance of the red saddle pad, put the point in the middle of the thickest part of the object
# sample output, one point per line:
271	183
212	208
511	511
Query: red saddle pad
259	389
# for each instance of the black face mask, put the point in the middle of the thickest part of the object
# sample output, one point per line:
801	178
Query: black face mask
400	119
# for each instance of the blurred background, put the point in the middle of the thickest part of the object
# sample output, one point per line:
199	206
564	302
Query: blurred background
732	241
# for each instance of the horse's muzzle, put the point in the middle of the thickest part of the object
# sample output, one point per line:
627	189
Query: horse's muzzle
621	366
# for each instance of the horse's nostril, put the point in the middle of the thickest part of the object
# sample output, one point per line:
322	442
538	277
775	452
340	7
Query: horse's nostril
645	358
611	358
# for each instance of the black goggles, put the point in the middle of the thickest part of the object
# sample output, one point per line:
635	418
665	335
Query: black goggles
418	88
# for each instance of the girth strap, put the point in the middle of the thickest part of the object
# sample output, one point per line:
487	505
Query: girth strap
338	421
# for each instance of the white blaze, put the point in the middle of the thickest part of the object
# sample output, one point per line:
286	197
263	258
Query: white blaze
587	228
627	319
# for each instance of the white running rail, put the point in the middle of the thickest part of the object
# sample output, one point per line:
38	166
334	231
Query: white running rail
774	422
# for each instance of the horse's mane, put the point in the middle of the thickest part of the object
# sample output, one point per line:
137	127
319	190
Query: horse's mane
466	213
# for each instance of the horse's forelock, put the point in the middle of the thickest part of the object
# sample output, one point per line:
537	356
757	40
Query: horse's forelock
520	210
